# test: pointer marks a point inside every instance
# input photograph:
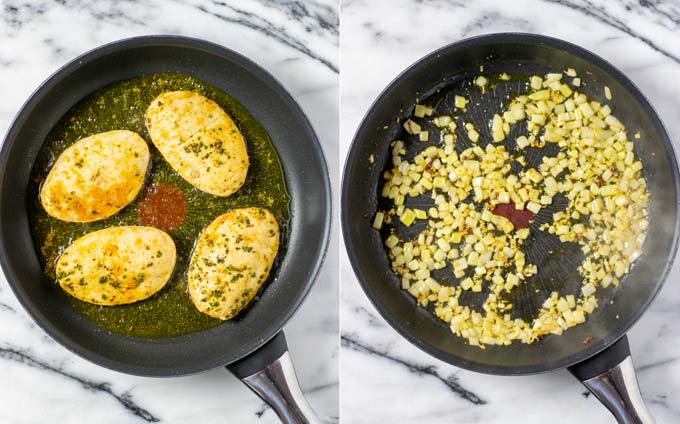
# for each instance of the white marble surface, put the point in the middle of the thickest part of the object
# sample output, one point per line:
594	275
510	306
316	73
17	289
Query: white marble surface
40	381
384	378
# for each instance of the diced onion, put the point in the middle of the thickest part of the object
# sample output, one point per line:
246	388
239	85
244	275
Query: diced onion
595	171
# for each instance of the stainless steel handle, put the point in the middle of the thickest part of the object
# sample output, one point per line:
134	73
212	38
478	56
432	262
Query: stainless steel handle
618	390
278	385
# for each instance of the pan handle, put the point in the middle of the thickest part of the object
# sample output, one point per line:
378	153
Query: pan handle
270	374
610	376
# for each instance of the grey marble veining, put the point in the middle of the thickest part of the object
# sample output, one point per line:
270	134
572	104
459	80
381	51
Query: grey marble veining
384	377
294	40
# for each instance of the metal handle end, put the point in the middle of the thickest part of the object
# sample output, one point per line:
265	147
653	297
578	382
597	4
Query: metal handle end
278	385
618	390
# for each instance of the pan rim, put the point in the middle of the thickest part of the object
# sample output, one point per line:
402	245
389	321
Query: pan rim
325	201
421	64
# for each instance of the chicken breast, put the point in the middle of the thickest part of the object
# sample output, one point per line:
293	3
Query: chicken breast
96	177
117	265
199	140
231	261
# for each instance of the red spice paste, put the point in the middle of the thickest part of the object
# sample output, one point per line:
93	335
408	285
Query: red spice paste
519	218
162	206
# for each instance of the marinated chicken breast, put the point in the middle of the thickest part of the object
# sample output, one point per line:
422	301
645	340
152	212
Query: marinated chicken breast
232	258
117	265
199	140
96	177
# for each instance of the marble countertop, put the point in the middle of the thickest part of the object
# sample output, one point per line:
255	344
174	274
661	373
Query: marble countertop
386	379
297	42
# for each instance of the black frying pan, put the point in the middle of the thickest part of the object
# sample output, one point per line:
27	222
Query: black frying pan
253	345
597	351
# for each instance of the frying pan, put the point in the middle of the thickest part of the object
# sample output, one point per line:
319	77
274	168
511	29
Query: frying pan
596	352
252	346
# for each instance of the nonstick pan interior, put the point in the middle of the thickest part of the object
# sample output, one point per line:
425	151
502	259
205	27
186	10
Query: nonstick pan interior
306	177
434	80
